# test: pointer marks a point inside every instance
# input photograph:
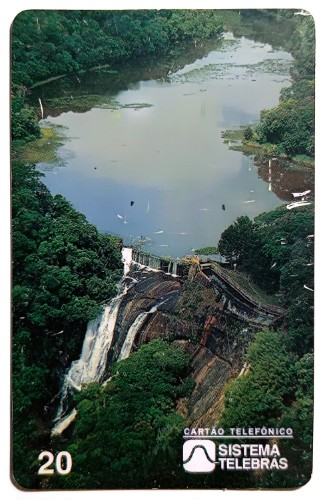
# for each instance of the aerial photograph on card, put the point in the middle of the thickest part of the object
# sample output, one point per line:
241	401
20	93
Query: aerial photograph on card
162	197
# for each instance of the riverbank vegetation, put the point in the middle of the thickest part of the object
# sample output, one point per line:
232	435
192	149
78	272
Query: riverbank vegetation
288	130
207	251
43	149
47	44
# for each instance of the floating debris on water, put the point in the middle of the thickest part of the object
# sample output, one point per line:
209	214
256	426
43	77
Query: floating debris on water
122	218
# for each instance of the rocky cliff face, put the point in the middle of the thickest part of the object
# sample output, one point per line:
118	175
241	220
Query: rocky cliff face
188	312
203	310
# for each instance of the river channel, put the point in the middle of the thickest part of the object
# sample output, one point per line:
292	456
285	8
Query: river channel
152	161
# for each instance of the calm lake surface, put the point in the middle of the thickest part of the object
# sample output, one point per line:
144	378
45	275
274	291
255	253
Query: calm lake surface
169	158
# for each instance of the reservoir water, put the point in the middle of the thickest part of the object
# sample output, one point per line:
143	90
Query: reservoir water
155	164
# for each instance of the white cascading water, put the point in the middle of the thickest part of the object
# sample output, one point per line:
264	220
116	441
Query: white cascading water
133	330
64	423
91	365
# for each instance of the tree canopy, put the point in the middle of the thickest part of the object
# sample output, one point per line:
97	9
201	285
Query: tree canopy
127	433
290	126
277	250
236	241
265	387
50	43
277	391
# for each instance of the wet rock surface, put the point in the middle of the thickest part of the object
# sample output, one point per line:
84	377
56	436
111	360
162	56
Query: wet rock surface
206	313
191	314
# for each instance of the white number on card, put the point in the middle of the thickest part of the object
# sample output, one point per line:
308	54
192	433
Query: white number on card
62	463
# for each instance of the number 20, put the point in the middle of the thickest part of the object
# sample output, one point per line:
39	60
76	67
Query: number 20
63	470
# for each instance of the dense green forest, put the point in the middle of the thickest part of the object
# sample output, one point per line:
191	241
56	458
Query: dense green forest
278	391
63	269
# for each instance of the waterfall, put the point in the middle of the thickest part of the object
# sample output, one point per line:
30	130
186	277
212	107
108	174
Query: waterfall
64	423
127	259
134	329
41	107
91	365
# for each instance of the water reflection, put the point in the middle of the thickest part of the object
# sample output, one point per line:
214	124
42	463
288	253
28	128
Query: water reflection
283	181
169	157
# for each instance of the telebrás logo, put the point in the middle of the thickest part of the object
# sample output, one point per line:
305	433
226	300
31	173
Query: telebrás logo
199	455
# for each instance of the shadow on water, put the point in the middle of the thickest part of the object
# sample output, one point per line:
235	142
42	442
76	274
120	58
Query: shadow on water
82	91
264	27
